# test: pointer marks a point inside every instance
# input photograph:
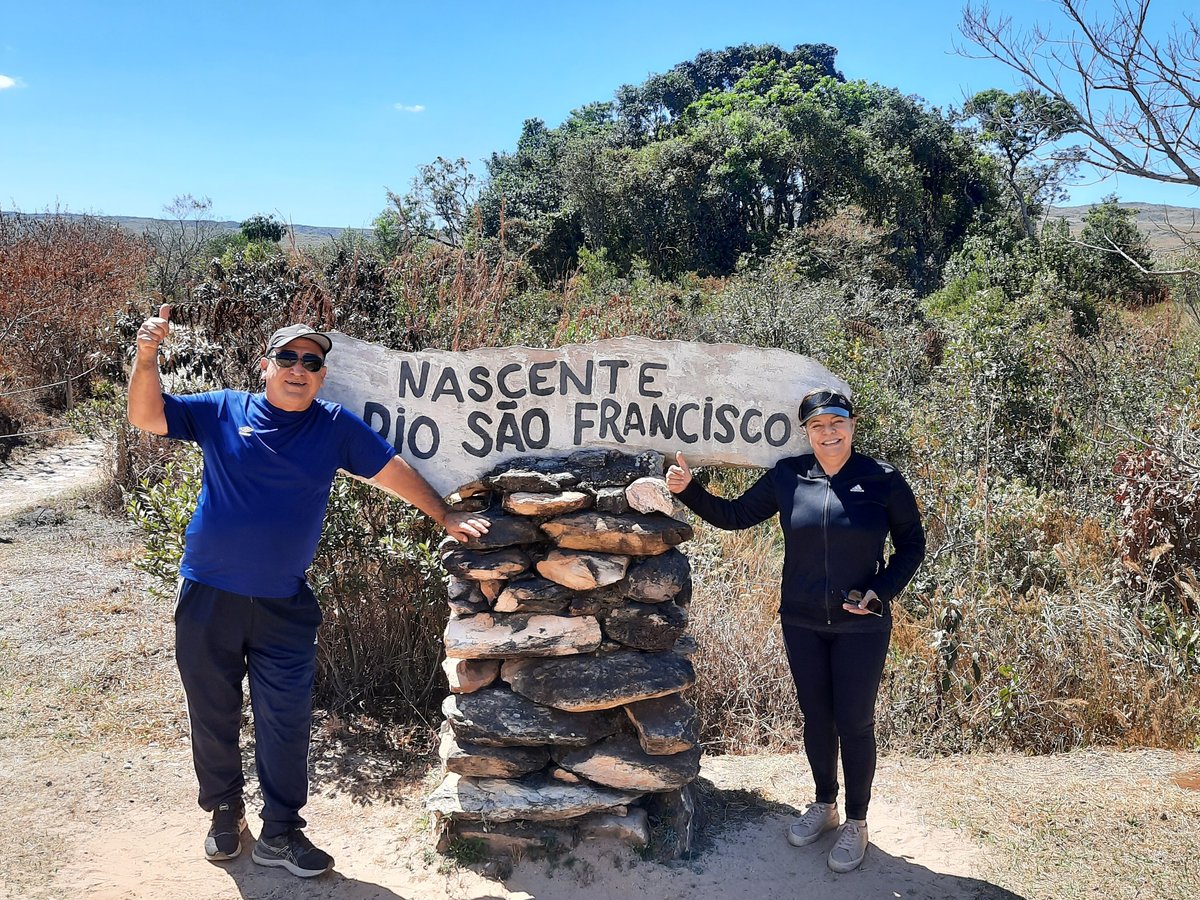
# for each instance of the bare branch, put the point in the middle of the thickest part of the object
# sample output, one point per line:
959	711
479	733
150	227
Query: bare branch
1136	96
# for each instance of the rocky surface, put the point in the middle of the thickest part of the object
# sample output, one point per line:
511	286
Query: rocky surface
551	674
529	503
665	725
483	566
583	683
620	762
646	626
487	636
481	761
583	571
634	534
533	798
497	717
468	675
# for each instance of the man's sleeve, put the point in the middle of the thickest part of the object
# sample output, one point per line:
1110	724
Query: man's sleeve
190	417
364	452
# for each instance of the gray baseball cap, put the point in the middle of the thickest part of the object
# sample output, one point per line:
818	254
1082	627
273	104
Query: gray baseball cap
292	332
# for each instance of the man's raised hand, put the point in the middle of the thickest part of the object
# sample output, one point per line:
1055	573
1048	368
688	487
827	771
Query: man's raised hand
155	329
679	476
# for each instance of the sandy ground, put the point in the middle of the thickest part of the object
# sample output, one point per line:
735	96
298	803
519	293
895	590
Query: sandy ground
46	474
99	797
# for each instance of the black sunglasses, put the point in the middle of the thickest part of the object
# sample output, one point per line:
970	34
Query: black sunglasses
285	359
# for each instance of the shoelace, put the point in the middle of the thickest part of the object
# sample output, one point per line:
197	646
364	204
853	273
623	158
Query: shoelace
848	839
815	813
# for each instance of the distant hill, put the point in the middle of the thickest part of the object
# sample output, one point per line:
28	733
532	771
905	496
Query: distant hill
1159	223
306	236
1155	220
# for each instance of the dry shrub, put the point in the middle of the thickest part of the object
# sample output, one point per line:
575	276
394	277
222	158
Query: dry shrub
382	595
63	279
974	663
448	298
744	691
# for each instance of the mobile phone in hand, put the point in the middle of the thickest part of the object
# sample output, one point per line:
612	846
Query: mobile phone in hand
874	605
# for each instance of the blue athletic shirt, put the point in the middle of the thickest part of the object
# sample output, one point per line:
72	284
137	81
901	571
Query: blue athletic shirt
265	487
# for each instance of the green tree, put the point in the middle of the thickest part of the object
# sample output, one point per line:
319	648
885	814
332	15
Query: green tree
260	229
1019	127
439	206
1116	259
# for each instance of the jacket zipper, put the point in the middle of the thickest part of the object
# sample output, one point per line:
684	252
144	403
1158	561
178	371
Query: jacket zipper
825	539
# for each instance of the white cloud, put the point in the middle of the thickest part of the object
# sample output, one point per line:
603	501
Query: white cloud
413	108
7	82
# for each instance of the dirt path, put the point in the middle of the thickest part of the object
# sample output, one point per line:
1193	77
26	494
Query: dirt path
98	792
42	475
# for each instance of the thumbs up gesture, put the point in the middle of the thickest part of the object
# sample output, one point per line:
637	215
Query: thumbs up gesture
679	476
154	330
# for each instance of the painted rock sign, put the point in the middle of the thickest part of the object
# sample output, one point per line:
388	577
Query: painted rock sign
458	415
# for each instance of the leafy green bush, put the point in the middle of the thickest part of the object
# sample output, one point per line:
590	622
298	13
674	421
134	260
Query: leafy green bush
162	508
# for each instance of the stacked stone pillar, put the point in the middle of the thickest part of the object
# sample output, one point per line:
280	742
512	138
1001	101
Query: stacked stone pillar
567	656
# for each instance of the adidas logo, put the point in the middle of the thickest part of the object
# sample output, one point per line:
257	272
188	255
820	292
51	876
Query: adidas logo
857	489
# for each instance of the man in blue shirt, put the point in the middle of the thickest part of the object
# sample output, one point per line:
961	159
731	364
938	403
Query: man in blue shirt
244	605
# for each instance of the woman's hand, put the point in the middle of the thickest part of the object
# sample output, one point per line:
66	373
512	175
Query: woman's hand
679	476
861	604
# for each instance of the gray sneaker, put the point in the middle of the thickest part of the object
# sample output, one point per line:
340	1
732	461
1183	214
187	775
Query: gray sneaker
224	839
850	848
294	852
817	819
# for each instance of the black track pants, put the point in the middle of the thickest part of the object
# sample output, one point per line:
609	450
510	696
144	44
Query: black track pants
837	680
219	637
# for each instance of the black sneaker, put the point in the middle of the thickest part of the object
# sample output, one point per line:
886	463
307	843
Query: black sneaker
224	839
294	852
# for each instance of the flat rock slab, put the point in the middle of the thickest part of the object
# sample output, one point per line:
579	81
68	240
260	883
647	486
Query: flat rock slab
620	762
504	531
659	578
468	675
665	725
606	681
598	602
633	533
533	595
647	495
646	626
488	636
532	480
583	571
497	717
531	503
532	798
480	761
482	565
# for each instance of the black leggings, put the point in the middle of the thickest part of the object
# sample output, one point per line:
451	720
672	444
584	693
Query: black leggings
837	680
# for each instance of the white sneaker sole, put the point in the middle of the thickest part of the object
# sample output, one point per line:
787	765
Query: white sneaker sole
843	867
289	865
797	841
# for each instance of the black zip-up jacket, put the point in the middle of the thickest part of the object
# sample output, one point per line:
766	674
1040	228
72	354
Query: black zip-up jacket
834	528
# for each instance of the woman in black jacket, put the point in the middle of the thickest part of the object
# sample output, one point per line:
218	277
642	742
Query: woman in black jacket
836	508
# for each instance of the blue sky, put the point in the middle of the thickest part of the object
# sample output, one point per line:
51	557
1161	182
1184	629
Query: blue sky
312	111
